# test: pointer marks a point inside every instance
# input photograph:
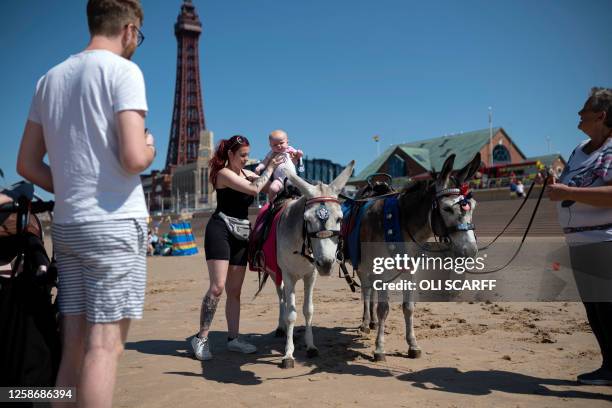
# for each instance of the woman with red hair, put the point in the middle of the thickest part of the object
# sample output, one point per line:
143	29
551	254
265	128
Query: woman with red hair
225	241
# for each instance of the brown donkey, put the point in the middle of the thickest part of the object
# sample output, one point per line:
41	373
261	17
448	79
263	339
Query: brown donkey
426	208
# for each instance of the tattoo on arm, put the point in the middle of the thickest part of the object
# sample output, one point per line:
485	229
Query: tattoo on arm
260	181
209	307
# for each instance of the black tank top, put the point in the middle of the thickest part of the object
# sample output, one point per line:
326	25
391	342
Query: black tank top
233	203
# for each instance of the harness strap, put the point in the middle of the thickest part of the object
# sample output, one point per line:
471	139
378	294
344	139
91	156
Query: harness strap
351	281
321	199
396	193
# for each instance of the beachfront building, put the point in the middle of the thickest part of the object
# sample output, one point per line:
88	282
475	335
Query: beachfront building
414	160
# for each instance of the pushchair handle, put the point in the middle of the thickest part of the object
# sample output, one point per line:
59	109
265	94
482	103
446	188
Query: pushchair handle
36	207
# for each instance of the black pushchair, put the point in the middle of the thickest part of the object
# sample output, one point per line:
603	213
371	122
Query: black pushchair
30	348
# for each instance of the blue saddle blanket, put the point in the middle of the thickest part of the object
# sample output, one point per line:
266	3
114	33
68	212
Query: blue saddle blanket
391	224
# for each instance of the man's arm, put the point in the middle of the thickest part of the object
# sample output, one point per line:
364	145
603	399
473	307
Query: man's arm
30	164
136	152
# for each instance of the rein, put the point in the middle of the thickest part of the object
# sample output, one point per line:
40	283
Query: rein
535	210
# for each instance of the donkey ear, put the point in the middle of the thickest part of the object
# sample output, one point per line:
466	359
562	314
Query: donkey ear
468	171
307	189
447	169
339	182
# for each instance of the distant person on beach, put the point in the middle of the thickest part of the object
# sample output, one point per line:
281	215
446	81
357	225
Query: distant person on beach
279	145
226	240
520	189
584	193
88	115
512	187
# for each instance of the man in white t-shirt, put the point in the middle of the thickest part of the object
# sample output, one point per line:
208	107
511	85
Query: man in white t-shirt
87	115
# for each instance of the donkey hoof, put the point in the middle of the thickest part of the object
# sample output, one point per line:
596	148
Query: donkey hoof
364	329
313	352
373	325
380	357
414	353
280	332
287	363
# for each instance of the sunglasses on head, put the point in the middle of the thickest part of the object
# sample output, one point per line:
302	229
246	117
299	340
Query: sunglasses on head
238	140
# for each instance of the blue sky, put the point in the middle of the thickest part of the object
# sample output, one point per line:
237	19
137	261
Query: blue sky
334	73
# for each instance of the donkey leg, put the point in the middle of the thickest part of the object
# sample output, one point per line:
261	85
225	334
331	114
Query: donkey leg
309	281
373	317
281	329
382	310
366	297
414	351
290	316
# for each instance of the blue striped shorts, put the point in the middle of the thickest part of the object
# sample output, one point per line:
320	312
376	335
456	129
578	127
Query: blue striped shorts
102	268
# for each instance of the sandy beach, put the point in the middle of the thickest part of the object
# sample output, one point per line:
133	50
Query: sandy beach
474	354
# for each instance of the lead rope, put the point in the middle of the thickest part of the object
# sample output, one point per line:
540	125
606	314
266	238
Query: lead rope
535	210
513	217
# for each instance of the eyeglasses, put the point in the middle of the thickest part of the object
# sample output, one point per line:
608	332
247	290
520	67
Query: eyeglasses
589	109
139	35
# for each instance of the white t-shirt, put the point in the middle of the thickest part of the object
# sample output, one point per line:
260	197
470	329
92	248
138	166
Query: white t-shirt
587	170
76	103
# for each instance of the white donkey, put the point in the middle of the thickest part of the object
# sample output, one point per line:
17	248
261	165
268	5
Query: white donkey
307	243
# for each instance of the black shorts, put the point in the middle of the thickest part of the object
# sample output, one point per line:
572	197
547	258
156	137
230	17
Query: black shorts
220	244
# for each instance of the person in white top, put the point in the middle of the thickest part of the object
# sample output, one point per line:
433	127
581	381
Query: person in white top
88	115
520	189
584	194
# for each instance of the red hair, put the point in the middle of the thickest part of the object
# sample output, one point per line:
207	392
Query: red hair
221	155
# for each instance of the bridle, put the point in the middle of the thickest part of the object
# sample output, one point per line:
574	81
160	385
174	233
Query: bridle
440	230
322	214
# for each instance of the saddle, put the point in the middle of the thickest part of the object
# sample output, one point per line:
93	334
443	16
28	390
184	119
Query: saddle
262	241
379	184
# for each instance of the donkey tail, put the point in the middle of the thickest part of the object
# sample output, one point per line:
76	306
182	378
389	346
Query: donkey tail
262	283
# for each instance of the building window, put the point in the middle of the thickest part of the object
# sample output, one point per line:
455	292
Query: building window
397	166
501	154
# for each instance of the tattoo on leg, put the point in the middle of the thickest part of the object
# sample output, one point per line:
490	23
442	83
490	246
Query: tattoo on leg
209	306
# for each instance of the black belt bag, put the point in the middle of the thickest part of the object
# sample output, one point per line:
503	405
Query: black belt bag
239	228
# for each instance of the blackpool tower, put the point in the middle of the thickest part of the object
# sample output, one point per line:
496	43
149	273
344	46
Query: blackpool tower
190	144
188	113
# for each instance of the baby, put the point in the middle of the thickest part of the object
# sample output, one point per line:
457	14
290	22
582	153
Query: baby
279	143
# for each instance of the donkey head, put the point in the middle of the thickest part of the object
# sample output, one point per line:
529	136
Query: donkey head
322	217
451	215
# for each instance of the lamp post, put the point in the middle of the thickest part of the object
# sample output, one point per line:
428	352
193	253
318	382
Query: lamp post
490	136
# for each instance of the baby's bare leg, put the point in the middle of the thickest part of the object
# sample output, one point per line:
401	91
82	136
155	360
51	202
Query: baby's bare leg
275	187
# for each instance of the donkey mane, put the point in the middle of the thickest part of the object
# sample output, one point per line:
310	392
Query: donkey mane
416	191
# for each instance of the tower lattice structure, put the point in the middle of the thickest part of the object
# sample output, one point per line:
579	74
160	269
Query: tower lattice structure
188	113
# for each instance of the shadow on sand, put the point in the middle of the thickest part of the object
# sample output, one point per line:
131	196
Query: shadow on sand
341	351
449	379
336	350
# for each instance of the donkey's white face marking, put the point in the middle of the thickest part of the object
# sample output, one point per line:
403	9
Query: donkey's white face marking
453	213
324	217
